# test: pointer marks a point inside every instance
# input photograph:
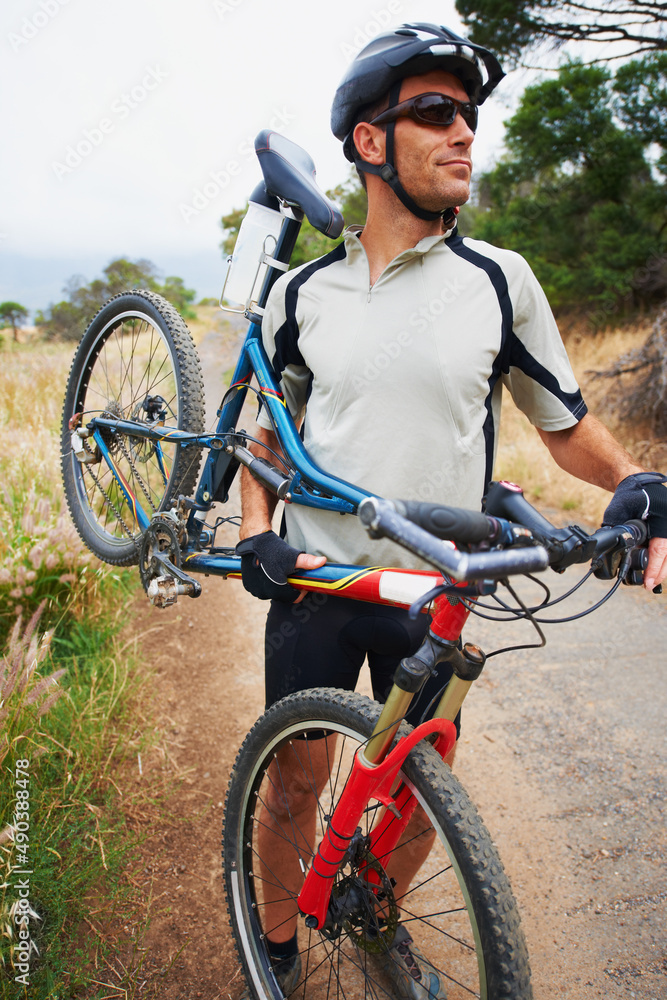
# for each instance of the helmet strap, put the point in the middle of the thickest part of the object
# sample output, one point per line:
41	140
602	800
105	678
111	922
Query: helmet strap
389	174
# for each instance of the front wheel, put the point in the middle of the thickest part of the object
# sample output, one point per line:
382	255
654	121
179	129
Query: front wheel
459	908
136	361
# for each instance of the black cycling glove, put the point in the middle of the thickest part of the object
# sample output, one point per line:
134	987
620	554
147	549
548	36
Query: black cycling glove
640	496
266	562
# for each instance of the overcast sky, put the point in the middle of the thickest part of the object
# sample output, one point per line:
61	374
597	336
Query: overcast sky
128	125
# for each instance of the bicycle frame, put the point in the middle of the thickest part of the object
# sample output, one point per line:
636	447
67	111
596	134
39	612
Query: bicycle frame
310	485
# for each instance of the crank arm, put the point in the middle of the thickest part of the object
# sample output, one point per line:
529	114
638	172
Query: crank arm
191	587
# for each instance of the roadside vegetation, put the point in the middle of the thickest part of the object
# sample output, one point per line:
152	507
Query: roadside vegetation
74	708
66	320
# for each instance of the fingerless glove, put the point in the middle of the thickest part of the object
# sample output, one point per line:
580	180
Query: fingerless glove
640	496
266	562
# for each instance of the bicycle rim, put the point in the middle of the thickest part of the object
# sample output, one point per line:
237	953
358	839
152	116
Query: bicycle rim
450	913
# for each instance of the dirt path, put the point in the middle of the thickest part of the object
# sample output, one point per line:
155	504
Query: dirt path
563	750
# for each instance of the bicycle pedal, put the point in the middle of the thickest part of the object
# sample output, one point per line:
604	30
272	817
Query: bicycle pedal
163	591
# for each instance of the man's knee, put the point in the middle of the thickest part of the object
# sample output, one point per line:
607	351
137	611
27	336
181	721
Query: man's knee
289	796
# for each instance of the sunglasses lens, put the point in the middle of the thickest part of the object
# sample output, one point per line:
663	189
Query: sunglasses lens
438	110
435	109
469	114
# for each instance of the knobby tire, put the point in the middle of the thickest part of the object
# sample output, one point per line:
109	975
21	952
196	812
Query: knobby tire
459	909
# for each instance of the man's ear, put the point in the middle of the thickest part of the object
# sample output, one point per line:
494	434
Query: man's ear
370	142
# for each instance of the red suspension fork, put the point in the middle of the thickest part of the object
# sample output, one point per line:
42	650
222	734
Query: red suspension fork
366	782
374	779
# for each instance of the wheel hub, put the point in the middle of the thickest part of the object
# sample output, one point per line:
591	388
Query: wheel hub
363	906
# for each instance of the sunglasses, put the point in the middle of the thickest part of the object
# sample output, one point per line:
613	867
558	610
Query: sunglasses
431	109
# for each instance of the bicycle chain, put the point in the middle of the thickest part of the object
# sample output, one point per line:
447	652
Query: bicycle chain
109	501
121	445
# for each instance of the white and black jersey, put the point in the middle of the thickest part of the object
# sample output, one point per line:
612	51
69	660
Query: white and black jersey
399	384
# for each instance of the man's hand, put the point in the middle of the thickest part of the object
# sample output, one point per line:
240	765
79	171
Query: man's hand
266	562
656	571
643	495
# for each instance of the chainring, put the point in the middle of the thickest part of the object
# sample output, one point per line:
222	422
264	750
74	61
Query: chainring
161	535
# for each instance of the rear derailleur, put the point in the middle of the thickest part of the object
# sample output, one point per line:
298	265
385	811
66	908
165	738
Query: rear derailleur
160	561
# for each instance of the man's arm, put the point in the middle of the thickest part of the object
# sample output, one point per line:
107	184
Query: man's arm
258	505
590	452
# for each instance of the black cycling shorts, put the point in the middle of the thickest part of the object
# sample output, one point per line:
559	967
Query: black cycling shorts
323	642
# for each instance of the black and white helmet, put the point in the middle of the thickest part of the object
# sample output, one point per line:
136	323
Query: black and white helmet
410	50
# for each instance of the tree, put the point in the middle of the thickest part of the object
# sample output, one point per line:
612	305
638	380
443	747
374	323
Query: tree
68	319
638	390
514	28
11	314
640	101
576	193
181	298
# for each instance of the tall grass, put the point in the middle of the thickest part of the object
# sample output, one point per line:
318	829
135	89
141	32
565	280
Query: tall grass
72	704
41	556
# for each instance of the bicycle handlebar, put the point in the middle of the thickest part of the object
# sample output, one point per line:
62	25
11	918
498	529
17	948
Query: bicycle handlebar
383	520
453	523
524	540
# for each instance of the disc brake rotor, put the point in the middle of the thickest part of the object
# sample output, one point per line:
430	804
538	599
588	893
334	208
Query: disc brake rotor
363	905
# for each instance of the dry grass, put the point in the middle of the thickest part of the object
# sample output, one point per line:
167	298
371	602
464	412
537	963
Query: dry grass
523	458
208	317
40	551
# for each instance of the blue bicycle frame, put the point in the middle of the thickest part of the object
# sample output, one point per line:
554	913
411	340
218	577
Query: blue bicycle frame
308	485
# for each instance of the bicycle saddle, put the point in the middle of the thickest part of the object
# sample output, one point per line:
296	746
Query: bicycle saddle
289	174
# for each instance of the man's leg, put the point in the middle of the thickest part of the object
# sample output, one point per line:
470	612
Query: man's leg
287	827
302	651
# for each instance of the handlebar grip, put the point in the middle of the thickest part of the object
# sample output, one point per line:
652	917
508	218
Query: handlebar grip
455	523
507	500
382	520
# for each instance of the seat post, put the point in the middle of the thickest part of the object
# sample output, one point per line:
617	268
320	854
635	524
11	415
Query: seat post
283	252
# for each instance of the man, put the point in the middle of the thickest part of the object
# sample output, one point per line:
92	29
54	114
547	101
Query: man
462	318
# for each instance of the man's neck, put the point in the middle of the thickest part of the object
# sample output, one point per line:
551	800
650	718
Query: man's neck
386	236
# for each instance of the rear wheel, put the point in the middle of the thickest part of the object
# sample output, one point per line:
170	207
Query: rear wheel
136	361
459	908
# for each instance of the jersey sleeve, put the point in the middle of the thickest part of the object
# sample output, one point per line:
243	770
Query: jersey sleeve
280	336
536	368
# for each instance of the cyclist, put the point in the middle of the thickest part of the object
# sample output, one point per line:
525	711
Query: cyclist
392	350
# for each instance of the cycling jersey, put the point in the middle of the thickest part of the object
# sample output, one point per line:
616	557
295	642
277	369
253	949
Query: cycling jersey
400	383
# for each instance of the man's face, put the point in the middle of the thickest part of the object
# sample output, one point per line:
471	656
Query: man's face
434	163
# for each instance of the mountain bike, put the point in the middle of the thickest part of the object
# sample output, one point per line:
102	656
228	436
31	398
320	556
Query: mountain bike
132	440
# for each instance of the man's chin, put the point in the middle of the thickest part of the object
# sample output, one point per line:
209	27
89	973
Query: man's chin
452	199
